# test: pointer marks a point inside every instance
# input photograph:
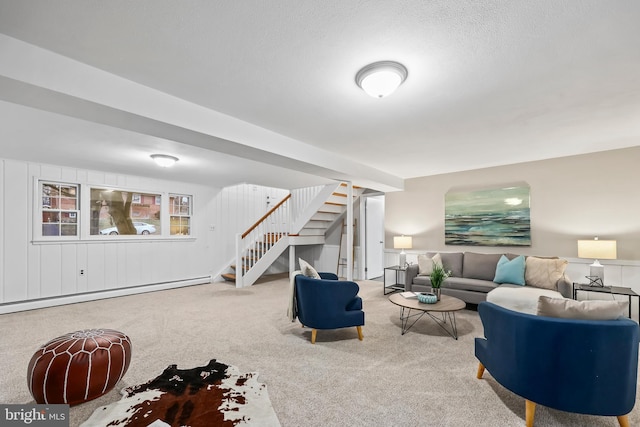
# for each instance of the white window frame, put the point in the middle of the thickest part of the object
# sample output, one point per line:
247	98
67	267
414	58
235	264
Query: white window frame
180	214
41	210
82	214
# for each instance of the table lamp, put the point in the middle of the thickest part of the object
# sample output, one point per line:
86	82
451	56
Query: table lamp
597	249
402	242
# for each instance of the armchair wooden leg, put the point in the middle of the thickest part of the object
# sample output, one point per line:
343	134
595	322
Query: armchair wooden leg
359	328
529	412
313	336
480	371
623	420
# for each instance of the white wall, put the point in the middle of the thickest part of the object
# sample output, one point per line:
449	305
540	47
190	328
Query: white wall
233	210
324	258
36	274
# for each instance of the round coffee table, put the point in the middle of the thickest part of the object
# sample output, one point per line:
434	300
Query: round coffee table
447	306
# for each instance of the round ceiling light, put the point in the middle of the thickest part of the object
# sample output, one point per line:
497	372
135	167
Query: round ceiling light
164	160
382	78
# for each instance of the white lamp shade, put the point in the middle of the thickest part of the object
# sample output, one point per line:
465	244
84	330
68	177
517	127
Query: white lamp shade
402	242
597	249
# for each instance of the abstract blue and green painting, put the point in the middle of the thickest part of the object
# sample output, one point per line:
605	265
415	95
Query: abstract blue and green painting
491	217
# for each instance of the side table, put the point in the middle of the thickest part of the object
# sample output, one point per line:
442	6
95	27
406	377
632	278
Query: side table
397	285
614	290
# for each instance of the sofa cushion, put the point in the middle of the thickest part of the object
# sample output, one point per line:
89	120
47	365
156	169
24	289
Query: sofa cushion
544	272
480	266
426	263
451	261
459	283
585	310
520	298
463	283
510	271
422	280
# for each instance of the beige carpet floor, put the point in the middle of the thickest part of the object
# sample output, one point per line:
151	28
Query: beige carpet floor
424	378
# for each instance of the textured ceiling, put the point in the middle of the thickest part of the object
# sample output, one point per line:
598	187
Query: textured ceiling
490	83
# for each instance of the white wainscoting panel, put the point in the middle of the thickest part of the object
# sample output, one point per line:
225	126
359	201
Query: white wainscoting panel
96	266
81	263
50	271
3	184
69	275
15	235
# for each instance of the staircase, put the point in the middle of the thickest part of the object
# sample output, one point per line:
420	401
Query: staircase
254	254
333	206
301	218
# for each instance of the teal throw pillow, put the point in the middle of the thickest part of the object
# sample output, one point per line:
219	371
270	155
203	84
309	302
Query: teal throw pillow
510	271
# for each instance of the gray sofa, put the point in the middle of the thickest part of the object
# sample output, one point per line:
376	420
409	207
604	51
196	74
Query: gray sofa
471	276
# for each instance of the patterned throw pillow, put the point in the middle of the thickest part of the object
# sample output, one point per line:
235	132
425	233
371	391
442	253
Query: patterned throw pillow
544	272
425	264
307	269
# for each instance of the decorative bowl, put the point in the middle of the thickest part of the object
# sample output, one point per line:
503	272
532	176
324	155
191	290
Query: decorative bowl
427	298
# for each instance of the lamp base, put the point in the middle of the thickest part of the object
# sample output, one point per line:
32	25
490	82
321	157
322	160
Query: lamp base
403	260
596	270
595	282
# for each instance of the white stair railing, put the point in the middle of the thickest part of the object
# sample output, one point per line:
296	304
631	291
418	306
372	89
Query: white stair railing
300	199
312	202
265	240
254	243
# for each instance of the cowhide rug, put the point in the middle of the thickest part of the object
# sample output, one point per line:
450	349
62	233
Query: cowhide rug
212	395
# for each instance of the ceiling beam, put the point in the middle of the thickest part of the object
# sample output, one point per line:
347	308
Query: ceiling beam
44	80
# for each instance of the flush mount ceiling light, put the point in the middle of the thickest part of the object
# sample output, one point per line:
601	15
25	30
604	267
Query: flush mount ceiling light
164	160
381	78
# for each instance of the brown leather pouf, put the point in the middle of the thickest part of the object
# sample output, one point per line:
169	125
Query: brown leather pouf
78	366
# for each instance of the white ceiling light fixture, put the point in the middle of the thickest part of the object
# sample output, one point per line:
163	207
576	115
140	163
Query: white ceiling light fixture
164	160
382	78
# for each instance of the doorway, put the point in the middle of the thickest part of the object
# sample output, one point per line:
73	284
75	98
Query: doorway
374	237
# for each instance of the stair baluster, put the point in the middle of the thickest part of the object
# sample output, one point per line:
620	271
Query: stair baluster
302	217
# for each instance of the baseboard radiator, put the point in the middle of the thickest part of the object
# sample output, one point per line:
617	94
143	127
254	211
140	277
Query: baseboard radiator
16	306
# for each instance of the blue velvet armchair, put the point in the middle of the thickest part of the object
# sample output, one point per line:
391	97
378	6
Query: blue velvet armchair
328	303
580	366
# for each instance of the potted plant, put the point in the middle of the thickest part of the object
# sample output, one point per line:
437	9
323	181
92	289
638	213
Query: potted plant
438	274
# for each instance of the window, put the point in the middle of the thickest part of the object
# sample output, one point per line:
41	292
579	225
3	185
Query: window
180	215
60	209
122	212
107	213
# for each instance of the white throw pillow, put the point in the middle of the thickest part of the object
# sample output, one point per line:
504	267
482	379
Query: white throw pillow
584	310
307	269
544	272
425	264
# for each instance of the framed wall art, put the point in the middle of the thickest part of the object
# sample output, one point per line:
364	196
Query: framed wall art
489	217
